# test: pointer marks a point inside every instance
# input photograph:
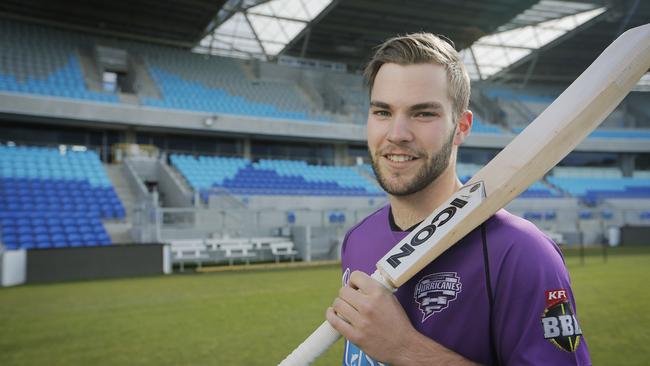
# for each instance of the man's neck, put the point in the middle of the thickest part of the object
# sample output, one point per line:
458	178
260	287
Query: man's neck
412	209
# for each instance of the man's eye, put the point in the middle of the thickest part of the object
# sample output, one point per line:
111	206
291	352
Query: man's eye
381	113
427	114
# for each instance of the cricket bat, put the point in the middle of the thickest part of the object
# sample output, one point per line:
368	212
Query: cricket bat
537	149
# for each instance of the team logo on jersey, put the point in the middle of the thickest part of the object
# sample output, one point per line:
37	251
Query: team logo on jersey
434	292
559	323
346	277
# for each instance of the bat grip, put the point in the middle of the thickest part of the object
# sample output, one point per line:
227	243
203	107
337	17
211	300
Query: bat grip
322	338
317	343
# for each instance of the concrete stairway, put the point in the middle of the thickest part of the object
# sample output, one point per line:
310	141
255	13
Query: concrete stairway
120	231
89	69
128	98
145	86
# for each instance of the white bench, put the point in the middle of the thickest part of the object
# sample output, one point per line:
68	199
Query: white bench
241	250
188	251
264	243
283	249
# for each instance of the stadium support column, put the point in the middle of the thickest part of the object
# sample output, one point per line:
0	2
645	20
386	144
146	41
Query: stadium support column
247	148
341	155
627	162
130	136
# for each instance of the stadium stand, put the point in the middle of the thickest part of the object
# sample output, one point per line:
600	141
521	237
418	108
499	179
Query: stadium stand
223	88
366	169
595	184
271	177
521	107
42	188
46	61
54	198
612	133
536	190
478	126
36	60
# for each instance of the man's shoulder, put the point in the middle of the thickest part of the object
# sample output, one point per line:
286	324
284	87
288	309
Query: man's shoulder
513	235
508	224
370	222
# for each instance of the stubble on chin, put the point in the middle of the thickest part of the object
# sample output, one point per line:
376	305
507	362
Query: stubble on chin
429	171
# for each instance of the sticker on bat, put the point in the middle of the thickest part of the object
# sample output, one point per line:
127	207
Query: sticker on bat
440	222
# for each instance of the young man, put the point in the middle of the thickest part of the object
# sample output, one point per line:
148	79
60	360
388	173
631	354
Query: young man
500	296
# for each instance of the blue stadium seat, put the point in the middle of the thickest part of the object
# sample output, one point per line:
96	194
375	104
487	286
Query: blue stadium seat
271	177
37	211
586	215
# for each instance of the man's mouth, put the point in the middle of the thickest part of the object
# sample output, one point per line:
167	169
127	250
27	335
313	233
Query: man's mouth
399	158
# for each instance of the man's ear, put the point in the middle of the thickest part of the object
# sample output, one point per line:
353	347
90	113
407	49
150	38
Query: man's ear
464	126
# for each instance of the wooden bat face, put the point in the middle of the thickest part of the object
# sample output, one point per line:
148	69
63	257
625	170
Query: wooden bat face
427	239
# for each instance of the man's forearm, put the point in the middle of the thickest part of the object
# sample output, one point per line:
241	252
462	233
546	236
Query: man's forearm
421	350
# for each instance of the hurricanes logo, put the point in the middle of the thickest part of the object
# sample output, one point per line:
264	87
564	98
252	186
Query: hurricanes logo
560	325
434	292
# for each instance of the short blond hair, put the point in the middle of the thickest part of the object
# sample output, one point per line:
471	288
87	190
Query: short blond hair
421	48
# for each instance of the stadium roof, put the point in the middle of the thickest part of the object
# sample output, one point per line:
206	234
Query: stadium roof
529	32
504	40
179	22
562	62
345	32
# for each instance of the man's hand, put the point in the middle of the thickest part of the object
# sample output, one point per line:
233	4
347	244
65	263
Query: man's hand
374	319
369	316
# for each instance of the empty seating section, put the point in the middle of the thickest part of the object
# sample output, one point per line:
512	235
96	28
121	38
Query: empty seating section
178	93
536	190
481	127
42	61
593	184
601	133
540	190
271	177
204	172
521	109
219	85
345	177
367	169
621	134
35	229
593	189
641	174
53	198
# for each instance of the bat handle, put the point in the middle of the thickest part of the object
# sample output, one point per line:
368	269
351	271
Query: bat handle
322	338
317	343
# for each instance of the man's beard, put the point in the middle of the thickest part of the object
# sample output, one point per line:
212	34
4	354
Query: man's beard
428	173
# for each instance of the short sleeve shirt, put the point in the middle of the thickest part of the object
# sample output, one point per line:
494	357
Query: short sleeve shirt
533	315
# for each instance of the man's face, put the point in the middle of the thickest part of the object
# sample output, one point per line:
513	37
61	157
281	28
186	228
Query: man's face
410	127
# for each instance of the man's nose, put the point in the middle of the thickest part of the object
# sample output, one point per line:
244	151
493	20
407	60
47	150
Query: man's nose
400	130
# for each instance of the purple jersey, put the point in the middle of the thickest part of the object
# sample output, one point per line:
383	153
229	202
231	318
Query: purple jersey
533	316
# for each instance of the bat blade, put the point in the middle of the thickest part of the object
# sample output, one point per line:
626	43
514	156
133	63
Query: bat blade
549	138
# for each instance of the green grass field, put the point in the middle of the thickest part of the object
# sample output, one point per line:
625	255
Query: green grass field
256	317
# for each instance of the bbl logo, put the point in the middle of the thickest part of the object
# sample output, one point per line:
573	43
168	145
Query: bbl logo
560	325
434	292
